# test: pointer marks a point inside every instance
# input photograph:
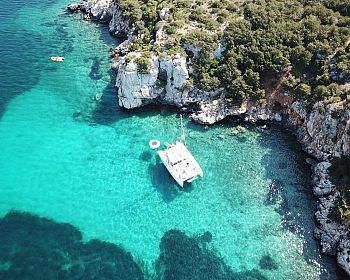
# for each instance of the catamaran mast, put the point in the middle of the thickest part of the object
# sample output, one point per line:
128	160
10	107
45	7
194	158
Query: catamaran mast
183	137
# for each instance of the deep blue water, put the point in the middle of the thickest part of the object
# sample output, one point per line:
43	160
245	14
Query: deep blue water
107	208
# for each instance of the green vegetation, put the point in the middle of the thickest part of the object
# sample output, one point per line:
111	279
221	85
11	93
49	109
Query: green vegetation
262	40
144	62
143	15
275	35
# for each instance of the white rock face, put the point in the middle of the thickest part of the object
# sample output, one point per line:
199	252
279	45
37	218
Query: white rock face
164	14
332	235
177	75
218	51
211	111
161	35
323	134
135	89
163	82
119	25
99	10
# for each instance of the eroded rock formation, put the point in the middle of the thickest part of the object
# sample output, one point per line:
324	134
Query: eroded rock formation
96	10
163	82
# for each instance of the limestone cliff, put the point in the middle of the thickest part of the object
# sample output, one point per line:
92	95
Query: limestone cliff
324	132
96	10
119	26
163	82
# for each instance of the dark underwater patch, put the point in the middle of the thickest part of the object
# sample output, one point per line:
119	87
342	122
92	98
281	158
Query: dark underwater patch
106	111
268	263
163	182
37	248
183	257
24	55
95	71
282	165
18	65
146	156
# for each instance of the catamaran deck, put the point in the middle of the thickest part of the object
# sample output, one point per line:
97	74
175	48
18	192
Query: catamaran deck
180	163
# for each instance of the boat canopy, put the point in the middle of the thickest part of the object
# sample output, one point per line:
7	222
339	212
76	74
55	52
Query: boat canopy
174	155
180	163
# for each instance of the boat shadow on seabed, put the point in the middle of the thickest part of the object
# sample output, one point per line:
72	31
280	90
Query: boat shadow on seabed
163	183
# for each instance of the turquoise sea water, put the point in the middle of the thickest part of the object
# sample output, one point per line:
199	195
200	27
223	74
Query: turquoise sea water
69	158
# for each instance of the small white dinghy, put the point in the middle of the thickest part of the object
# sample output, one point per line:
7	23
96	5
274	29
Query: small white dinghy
57	58
154	144
179	162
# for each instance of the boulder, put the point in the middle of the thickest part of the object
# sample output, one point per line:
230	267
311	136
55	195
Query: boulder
164	14
74	7
211	111
98	10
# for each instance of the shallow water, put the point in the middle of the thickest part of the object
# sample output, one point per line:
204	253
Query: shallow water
72	159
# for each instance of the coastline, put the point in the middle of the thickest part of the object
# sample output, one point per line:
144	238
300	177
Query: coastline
315	131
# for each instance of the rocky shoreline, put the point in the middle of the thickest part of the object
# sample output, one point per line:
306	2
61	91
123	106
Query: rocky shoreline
324	133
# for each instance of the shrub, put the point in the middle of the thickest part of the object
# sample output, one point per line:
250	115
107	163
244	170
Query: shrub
290	82
188	84
143	63
303	91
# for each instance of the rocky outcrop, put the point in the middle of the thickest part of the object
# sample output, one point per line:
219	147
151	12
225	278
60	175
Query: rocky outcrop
96	10
324	132
211	111
331	234
343	255
74	7
119	25
163	82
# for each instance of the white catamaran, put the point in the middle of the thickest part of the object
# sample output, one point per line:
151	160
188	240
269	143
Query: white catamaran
179	161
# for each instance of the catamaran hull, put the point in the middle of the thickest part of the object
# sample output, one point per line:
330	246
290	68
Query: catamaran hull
180	163
169	168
